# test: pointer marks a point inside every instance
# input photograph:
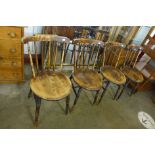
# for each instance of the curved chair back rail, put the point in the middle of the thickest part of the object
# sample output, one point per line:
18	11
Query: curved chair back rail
132	55
53	48
45	38
85	52
112	53
87	41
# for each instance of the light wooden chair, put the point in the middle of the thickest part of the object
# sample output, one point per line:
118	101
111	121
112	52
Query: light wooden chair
48	81
85	75
133	75
110	67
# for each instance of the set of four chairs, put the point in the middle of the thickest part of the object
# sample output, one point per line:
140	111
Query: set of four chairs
95	65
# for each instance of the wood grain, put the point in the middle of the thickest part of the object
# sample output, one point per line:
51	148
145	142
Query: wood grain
51	85
88	79
11	55
133	74
113	75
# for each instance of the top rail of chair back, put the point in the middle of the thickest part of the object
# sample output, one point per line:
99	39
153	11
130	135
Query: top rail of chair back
134	47
45	37
87	41
115	44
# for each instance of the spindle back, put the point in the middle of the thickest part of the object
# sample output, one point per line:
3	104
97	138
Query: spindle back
53	48
112	53
86	52
132	54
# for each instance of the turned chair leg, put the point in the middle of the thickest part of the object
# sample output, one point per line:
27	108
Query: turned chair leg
77	96
73	86
67	104
30	93
66	52
71	57
104	91
116	94
124	87
96	96
38	104
133	91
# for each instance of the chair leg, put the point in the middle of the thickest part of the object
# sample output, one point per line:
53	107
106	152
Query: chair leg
96	96
116	94
30	93
73	86
38	104
67	104
133	91
71	57
66	52
124	87
104	91
77	96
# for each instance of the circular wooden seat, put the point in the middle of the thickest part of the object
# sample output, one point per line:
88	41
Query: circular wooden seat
113	75
88	79
133	74
51	85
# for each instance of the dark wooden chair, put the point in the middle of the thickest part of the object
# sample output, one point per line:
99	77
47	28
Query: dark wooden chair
110	68
48	81
132	74
85	75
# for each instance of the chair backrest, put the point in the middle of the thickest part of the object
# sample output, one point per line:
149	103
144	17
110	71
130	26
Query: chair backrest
52	51
98	36
112	53
132	55
85	33
86	52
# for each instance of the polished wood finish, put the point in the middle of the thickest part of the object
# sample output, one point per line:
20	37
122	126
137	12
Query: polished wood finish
133	74
51	85
132	54
11	55
110	64
85	75
88	79
113	75
48	81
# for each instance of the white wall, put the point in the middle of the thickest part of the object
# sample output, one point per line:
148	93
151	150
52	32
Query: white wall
31	30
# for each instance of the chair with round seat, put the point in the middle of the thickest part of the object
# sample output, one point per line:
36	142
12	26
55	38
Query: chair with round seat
85	75
110	68
132	74
48	82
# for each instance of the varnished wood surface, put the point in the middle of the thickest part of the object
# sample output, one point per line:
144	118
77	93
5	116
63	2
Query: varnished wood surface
51	85
113	75
11	54
11	48
133	74
88	79
10	32
45	37
88	41
10	74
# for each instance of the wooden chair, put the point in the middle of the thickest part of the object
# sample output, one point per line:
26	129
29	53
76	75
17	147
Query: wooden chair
110	68
99	36
131	73
48	82
85	76
83	34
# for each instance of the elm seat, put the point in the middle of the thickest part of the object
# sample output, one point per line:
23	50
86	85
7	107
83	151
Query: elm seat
113	75
133	74
51	85
88	79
